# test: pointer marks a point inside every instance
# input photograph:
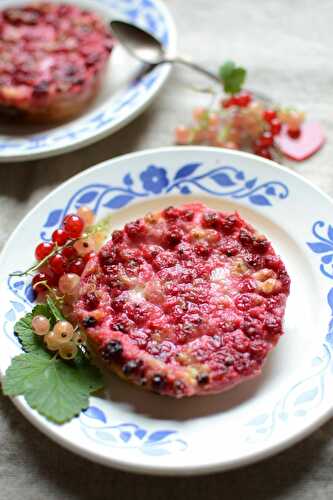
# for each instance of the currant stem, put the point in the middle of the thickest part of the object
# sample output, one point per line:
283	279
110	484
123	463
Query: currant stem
102	225
41	263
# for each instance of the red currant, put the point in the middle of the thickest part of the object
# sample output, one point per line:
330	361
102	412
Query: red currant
294	133
243	100
269	115
52	277
69	252
58	263
264	153
275	126
89	256
43	250
76	266
36	282
265	140
73	225
227	103
60	236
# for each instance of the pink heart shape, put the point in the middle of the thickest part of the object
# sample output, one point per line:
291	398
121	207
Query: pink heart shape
312	138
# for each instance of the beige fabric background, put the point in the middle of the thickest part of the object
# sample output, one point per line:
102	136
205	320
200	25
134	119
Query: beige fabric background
287	46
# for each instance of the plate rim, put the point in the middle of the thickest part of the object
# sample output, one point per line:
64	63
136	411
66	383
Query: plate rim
152	93
157	469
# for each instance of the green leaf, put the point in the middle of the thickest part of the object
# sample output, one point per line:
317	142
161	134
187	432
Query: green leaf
43	310
234	83
23	372
23	329
232	77
56	389
54	309
226	70
90	377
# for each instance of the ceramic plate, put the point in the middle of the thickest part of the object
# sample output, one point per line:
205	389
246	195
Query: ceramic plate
126	91
143	432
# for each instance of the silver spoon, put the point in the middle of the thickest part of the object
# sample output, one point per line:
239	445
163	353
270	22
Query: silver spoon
145	47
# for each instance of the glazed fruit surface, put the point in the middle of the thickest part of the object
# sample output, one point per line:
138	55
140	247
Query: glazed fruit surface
185	301
52	57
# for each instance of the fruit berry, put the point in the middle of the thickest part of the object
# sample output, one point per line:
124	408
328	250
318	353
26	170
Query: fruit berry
264	153
40	325
76	266
203	379
269	115
69	283
73	225
227	103
52	277
87	215
158	382
79	338
58	263
89	322
183	135
247	122
84	246
63	331
60	237
243	100
69	252
265	140
112	350
43	250
199	113
68	350
130	367
294	119
275	126
51	341
89	256
294	133
214	120
38	282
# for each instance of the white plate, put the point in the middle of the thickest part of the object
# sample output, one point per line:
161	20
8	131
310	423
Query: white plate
126	90
143	432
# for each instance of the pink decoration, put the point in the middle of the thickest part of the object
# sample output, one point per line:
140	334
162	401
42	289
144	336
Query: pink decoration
311	139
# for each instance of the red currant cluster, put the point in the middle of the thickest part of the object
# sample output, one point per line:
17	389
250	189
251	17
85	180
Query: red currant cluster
62	260
241	122
60	264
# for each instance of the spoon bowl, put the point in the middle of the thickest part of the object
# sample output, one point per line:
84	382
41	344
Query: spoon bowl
138	42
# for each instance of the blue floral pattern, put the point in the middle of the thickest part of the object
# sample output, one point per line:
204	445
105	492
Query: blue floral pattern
301	399
149	15
95	425
308	393
24	299
324	247
153	180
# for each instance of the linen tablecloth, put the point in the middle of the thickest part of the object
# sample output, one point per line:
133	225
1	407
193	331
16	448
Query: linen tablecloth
287	47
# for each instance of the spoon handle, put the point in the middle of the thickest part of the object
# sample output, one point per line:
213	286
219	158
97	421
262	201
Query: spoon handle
196	67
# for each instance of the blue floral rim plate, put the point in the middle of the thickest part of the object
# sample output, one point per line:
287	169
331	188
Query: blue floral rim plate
142	432
126	91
